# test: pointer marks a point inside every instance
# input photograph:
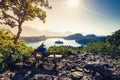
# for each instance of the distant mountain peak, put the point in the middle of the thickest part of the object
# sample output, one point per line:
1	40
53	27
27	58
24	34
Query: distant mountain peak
75	36
29	31
91	36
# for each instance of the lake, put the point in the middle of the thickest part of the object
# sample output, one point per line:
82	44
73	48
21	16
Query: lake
51	42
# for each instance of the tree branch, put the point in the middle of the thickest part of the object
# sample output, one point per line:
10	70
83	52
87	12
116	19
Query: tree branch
9	16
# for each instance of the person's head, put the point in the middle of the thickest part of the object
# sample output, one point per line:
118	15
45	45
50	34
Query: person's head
42	45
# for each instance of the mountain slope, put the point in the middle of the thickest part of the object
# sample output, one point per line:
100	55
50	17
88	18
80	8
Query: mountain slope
26	31
91	36
75	37
56	34
29	32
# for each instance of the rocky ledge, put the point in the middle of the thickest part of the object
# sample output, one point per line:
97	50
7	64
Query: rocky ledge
75	67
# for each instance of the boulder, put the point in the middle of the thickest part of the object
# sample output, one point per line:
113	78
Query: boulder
86	78
77	74
94	68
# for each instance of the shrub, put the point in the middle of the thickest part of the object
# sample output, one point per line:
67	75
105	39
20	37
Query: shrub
11	53
65	50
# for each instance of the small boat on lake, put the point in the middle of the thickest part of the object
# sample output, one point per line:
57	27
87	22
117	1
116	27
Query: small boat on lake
59	42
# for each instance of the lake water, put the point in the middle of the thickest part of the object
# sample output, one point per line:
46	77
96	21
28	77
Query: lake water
51	42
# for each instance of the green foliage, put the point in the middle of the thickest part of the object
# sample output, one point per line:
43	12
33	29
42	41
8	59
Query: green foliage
97	47
114	39
21	10
11	53
65	50
110	46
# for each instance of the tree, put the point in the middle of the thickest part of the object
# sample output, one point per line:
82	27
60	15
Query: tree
115	38
15	12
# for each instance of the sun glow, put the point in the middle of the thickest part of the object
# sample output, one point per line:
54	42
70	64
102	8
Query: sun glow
73	3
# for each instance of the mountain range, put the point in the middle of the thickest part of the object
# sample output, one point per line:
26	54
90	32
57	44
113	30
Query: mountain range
29	31
85	39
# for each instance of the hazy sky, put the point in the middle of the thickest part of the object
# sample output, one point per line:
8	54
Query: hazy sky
100	17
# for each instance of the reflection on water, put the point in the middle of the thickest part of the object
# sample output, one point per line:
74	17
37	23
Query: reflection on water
51	42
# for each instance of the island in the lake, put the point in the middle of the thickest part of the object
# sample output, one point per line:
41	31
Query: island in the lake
59	42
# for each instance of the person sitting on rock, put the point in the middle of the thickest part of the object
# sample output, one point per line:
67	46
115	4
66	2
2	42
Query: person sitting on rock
42	50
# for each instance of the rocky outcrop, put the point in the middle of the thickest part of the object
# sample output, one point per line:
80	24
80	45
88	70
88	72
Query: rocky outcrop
75	67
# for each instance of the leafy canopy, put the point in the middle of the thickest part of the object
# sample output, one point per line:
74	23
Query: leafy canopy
16	12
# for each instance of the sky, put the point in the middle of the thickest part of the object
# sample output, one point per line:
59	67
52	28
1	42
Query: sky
100	17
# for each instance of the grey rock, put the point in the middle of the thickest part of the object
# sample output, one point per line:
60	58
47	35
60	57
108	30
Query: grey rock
77	74
86	66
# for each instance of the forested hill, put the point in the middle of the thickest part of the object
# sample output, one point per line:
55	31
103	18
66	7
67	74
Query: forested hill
110	46
85	39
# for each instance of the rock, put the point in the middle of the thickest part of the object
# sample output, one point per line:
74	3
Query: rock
107	65
115	77
5	78
28	73
18	77
83	58
79	69
22	72
62	73
40	79
77	74
65	73
6	74
12	75
100	69
76	67
1	76
86	78
72	70
64	78
18	65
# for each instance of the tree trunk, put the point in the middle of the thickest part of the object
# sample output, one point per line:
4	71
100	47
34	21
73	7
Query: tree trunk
18	34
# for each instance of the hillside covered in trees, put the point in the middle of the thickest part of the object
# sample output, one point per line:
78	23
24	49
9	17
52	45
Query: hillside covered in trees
84	40
110	46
